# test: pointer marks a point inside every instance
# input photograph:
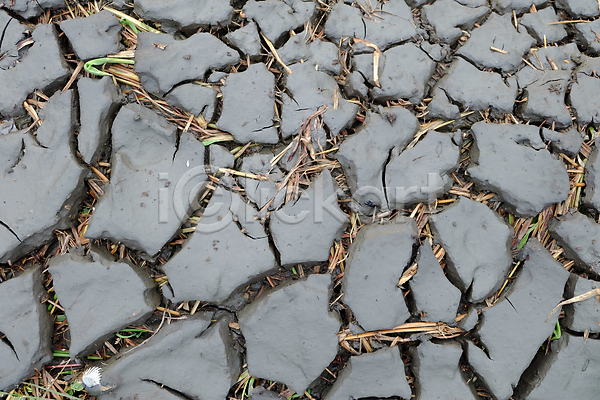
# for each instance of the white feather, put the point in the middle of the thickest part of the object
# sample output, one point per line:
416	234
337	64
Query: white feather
92	376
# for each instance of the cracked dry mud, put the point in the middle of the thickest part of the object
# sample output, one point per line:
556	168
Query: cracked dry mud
319	199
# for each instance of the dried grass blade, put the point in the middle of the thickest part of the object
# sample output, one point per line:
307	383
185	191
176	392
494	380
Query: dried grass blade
408	274
74	76
279	60
376	57
581	297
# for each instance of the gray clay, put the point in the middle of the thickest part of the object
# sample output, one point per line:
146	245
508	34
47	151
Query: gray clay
379	374
43	68
546	99
166	363
421	173
185	15
403	73
100	297
440	304
565	57
510	160
538	288
28	9
579	8
27	326
153	184
441	107
592	180
586	313
500	33
320	53
304	231
217	77
569	142
363	155
376	259
93	36
437	52
469	225
346	21
291	337
14	32
473	3
246	39
576	370
196	99
586	38
262	192
520	6
209	266
473	89
437	371
355	85
469	322
188	59
275	17
584	101
537	25
588	65
98	103
580	237
449	18
219	157
48	191
309	90
248	105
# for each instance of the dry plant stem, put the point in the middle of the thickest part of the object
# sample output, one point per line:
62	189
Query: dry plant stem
581	297
73	76
408	274
435	329
272	48
304	146
376	57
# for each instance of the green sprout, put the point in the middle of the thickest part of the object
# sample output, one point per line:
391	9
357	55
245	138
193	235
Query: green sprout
77	386
130	24
61	354
246	383
526	237
90	66
130	20
249	386
28	388
128	333
557	332
211	141
296	395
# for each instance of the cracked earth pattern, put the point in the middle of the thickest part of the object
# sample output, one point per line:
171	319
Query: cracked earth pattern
316	199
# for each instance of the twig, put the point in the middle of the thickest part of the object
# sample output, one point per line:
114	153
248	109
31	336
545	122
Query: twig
244	174
437	329
163	309
376	57
268	42
567	22
581	297
73	76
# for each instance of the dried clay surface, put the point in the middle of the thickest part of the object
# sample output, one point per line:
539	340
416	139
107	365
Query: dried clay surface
299	199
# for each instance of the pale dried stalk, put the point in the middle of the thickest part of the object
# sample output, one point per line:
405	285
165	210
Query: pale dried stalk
581	297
